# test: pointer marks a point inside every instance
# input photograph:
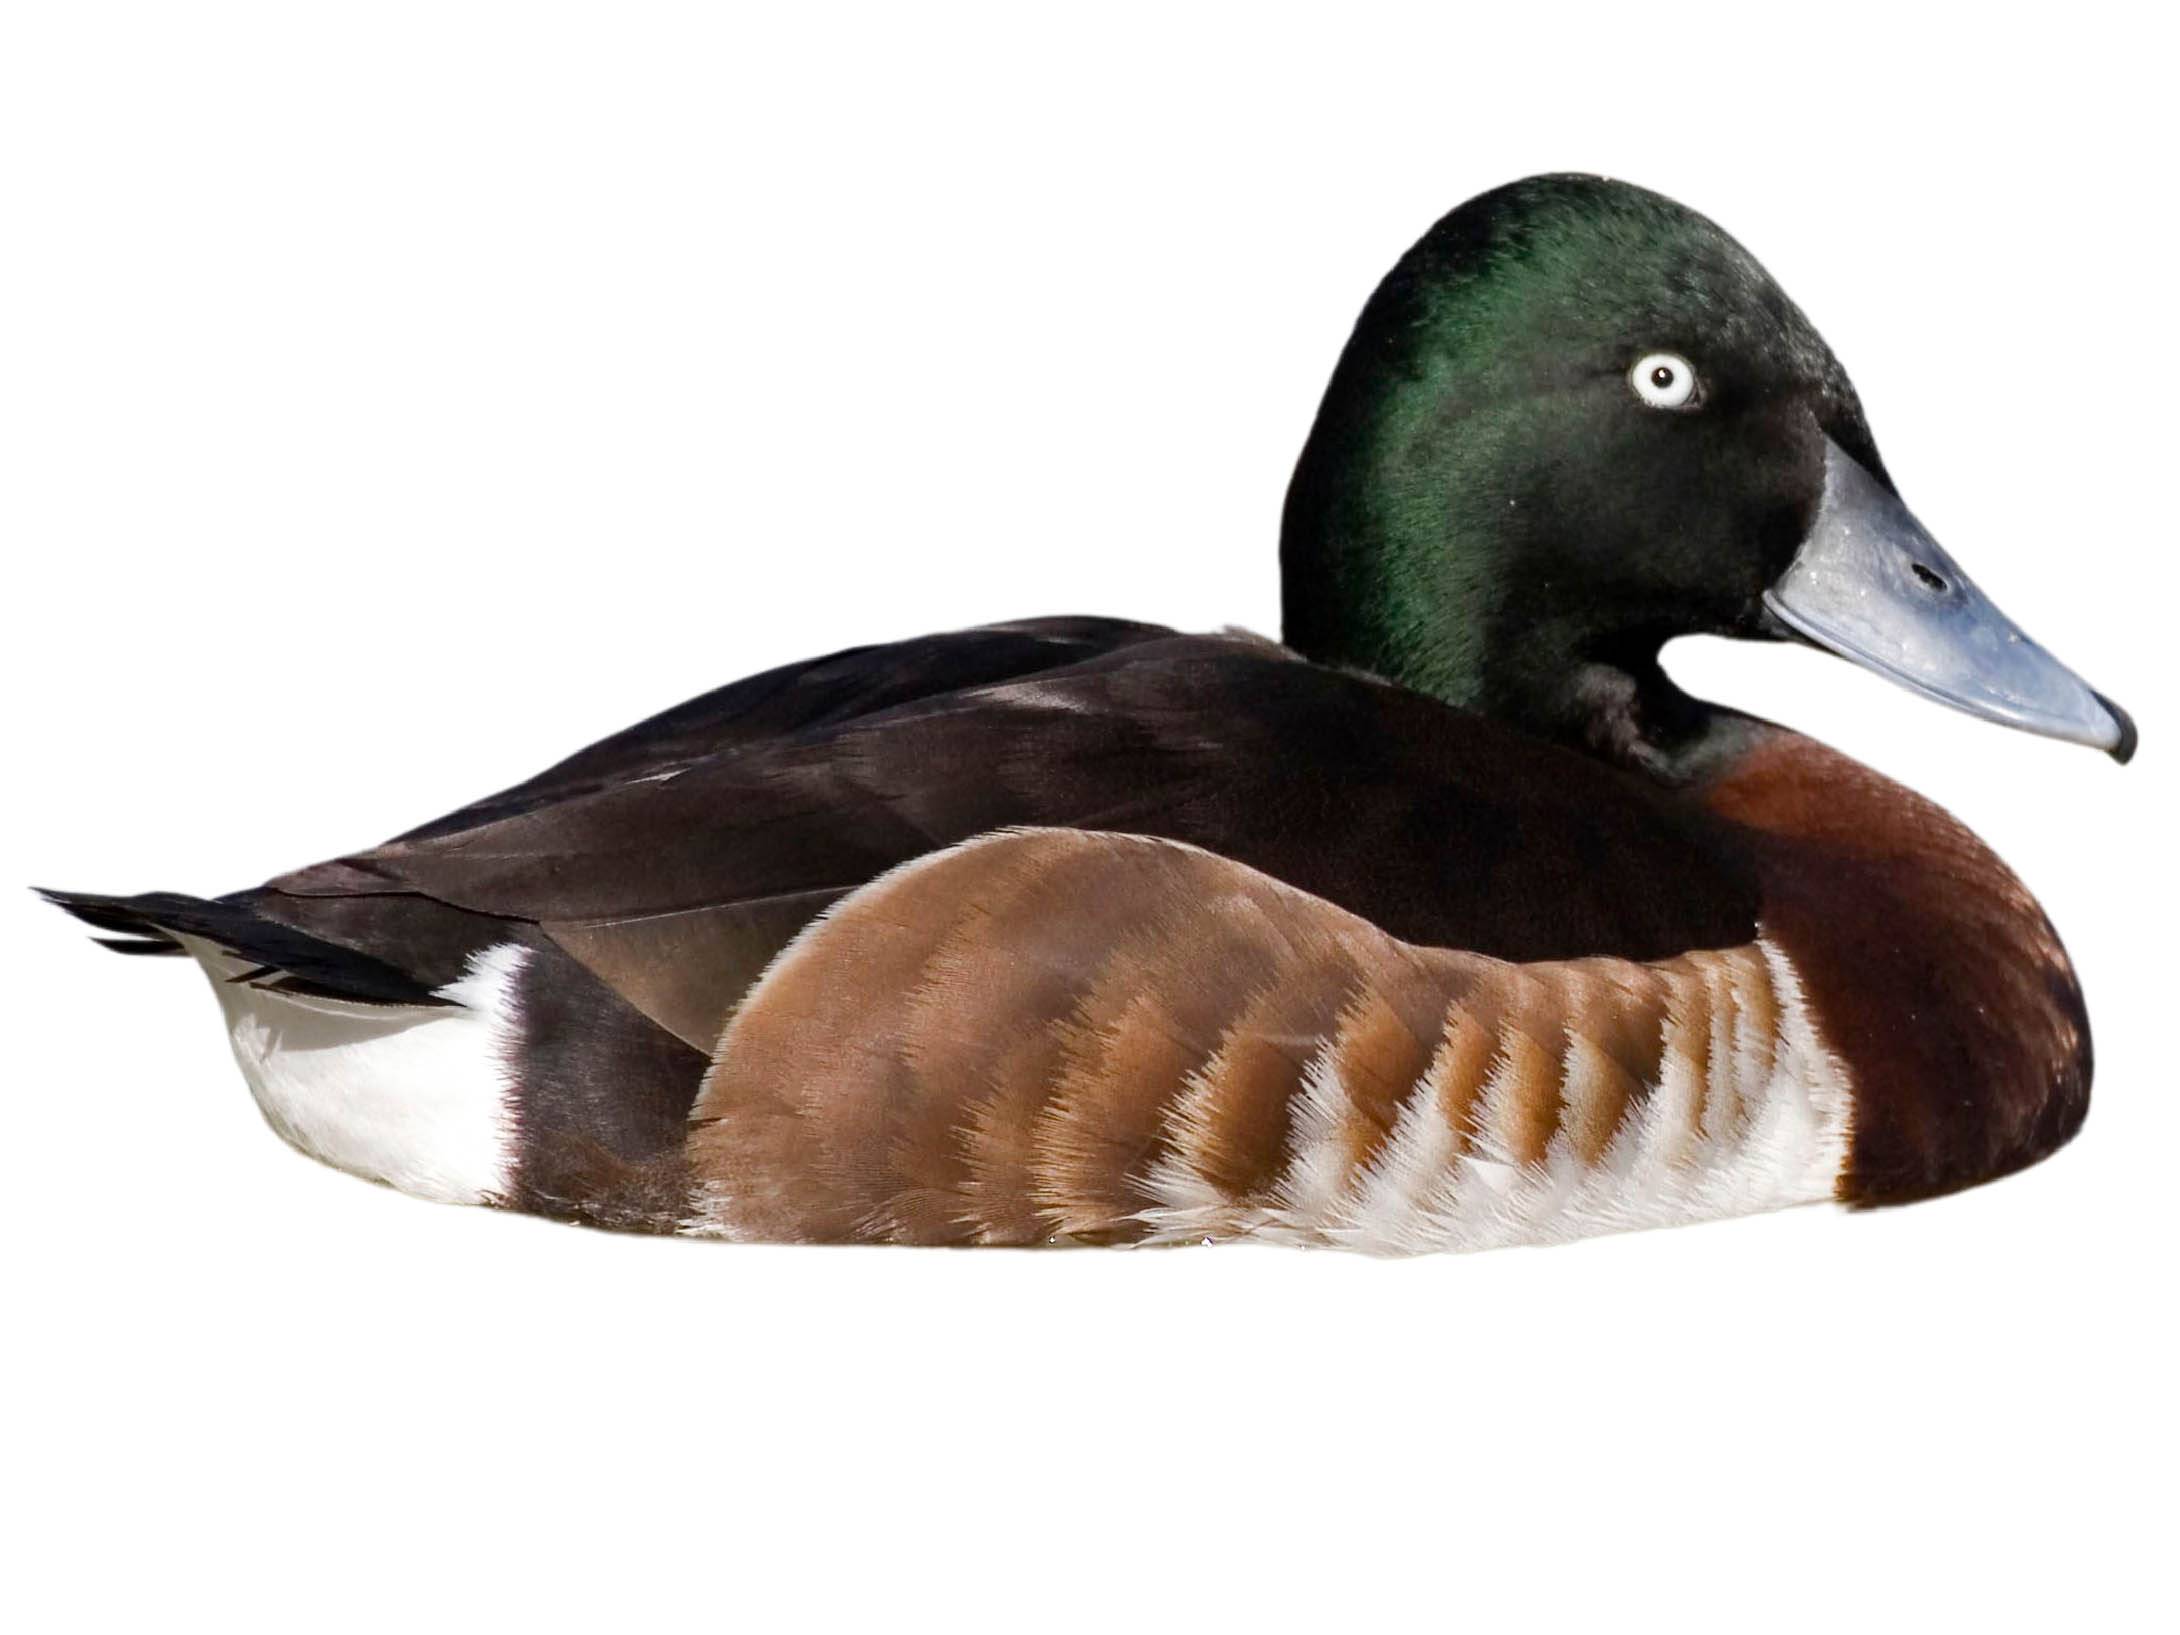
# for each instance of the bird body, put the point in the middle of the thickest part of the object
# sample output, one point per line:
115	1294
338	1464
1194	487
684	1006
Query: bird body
1449	924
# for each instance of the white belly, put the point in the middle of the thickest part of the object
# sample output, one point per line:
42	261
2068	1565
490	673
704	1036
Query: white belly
414	1096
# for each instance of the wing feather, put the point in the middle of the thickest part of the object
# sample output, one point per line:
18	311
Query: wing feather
1438	827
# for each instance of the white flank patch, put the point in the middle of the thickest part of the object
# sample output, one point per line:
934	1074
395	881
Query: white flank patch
415	1096
1771	1130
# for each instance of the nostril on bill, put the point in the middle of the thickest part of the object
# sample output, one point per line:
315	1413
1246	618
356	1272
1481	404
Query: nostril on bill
1932	580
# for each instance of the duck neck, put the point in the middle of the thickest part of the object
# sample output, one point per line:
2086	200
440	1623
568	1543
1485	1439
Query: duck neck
1388	569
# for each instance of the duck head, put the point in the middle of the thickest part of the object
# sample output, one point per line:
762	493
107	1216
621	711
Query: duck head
1578	420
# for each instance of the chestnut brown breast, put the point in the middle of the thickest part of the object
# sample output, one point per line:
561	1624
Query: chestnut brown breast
1930	969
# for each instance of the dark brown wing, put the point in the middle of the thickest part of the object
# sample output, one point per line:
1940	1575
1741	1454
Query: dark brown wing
801	697
431	938
1441	828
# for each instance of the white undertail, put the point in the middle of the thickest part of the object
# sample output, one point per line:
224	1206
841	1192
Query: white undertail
412	1095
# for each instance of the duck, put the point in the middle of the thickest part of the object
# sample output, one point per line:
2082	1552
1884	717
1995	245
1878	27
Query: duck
1445	922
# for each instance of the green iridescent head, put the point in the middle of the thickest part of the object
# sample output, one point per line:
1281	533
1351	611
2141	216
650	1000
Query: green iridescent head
1575	421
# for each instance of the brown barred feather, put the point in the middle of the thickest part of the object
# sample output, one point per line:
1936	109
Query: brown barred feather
1068	1035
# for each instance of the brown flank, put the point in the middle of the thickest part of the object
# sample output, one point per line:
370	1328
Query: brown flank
1011	1042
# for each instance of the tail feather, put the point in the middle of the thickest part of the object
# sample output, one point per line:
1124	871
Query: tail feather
154	922
138	945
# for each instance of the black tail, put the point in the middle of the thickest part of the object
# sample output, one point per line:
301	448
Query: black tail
289	960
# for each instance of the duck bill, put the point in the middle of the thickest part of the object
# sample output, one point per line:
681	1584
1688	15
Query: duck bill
1870	584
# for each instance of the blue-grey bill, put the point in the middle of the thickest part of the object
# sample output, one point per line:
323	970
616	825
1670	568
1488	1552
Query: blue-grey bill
1870	584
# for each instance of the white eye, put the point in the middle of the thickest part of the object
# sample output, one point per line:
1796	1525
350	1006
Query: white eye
1664	380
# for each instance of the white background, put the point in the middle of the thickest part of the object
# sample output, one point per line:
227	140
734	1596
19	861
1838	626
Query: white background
393	398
